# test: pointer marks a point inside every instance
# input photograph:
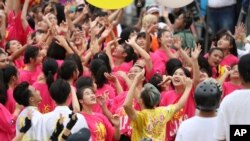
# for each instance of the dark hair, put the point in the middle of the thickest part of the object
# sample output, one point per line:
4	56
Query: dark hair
155	80
77	60
84	81
22	93
186	71
187	19
3	93
56	51
171	64
104	57
7	46
67	69
214	49
8	72
79	93
31	22
204	66
131	55
244	68
50	68
232	42
30	52
98	68
125	34
59	91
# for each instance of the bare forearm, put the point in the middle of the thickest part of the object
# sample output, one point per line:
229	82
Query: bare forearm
117	133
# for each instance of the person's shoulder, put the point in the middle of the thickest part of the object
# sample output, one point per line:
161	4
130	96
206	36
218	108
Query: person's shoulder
236	96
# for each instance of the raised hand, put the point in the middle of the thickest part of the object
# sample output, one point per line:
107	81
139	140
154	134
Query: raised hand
240	32
115	120
196	51
110	77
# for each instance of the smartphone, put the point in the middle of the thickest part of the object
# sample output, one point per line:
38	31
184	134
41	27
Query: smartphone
72	9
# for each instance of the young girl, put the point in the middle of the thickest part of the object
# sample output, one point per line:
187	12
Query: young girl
227	44
99	125
215	56
49	70
234	82
10	80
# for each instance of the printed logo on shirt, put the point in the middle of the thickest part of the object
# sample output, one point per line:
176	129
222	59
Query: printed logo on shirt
239	132
100	132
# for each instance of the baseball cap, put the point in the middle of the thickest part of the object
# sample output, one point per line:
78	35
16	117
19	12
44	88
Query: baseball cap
82	135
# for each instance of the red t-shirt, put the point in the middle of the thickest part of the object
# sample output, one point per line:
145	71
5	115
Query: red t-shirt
229	87
99	126
11	103
188	111
15	30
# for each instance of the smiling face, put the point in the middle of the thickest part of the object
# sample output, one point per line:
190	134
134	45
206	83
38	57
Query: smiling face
133	72
234	72
215	58
166	38
178	77
14	46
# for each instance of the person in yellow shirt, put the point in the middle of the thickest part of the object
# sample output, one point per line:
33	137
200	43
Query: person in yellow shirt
150	122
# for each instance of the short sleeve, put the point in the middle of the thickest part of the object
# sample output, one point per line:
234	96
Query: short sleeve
170	111
220	128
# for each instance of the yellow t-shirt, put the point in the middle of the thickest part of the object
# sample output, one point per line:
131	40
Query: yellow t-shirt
151	123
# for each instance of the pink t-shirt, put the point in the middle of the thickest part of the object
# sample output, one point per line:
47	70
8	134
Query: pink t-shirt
159	58
229	60
229	87
7	122
11	103
99	126
15	29
19	62
29	76
109	93
123	67
117	108
188	111
47	104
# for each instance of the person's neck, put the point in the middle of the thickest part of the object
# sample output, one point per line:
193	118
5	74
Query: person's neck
226	52
235	81
30	67
64	104
246	85
207	114
71	81
87	109
12	85
34	104
179	89
118	61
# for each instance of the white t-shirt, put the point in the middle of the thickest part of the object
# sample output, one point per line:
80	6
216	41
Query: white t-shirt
35	130
220	3
234	109
196	129
49	121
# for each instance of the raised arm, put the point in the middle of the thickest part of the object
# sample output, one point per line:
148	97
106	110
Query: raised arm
142	52
24	14
128	103
195	66
182	101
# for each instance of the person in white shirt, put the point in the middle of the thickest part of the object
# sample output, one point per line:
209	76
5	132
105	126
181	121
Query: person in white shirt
29	97
198	128
59	92
234	108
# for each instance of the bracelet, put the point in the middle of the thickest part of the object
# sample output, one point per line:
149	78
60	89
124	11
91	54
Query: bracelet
64	137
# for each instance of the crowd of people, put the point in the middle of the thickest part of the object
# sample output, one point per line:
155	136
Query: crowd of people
70	71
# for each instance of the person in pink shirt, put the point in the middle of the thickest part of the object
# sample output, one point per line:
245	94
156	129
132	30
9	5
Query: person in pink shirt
215	56
7	120
229	48
32	61
173	96
100	127
234	82
10	81
18	27
164	53
49	69
122	57
69	72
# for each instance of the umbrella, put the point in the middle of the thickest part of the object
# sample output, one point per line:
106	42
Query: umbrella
174	3
110	4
